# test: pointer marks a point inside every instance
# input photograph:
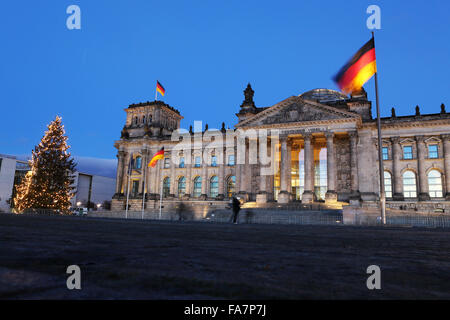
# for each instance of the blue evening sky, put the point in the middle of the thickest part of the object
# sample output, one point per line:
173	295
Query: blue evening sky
204	53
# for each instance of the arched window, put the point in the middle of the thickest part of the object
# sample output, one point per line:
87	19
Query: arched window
409	184
197	187
181	186
166	186
143	120
231	186
138	163
214	187
135	120
388	184
150	119
435	184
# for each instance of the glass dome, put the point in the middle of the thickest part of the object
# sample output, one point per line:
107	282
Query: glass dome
323	95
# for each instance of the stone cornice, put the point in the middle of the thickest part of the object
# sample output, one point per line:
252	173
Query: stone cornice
412	124
305	124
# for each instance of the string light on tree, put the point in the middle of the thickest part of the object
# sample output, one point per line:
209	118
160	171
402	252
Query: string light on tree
48	184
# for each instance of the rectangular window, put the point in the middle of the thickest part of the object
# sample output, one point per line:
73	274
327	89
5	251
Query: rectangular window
384	151
433	151
214	161
182	162
135	188
231	160
166	163
407	152
197	162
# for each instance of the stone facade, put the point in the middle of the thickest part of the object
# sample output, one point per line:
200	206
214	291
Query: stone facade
321	146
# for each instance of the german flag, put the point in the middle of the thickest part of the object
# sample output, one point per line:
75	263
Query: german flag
156	157
160	88
361	67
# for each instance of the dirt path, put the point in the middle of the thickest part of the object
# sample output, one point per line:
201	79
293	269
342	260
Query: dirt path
200	260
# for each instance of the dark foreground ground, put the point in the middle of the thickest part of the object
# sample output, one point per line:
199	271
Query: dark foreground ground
132	259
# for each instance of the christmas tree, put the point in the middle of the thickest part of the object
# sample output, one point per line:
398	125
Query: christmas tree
48	184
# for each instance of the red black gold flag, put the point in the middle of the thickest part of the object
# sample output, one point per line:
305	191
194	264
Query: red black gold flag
159	155
160	88
361	67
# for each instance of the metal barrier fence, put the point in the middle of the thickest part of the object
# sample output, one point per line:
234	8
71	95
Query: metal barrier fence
274	217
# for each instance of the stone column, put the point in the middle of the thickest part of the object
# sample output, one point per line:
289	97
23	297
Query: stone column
144	170
204	195
189	182
247	173
152	177
289	168
237	173
446	155
308	194
119	175
221	160
261	197
397	175
331	195
149	176
354	165
159	176
283	196
173	183
125	172
423	181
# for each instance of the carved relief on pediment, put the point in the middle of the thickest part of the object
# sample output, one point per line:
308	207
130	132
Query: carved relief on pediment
298	112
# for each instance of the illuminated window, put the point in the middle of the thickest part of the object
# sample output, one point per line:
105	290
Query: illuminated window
166	186
138	163
214	187
388	184
407	152
197	162
409	184
181	162
181	186
214	161
384	151
433	151
166	163
435	184
231	186
197	187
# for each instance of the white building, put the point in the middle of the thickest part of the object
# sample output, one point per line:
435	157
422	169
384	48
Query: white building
7	173
92	189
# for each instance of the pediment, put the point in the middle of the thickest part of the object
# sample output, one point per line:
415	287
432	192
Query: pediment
297	110
432	140
407	141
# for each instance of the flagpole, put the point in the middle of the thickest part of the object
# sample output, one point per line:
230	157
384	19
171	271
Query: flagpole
161	194
143	191
156	91
380	153
128	188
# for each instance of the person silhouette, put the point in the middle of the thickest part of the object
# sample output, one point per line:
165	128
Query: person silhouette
236	206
